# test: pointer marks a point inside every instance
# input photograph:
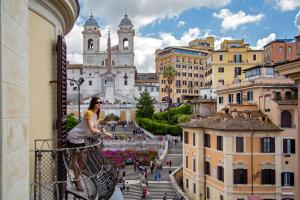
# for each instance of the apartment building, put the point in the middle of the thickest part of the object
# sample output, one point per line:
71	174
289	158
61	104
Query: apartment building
225	66
276	97
146	82
190	64
280	50
232	155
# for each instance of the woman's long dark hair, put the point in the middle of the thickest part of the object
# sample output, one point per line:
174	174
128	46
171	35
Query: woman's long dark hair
92	105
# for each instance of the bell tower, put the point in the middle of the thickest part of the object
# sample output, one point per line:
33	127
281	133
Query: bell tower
91	41
126	35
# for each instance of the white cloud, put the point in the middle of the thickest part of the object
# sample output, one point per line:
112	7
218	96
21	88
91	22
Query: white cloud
286	5
297	20
141	14
231	21
218	42
145	13
145	47
263	41
74	44
180	23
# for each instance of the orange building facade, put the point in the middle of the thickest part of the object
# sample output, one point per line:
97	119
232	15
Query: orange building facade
232	155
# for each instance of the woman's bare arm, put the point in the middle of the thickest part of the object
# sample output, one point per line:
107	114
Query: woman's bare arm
92	127
97	131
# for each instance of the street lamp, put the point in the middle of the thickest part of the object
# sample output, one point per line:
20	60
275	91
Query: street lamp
76	87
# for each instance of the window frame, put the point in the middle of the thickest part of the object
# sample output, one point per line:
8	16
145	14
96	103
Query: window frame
240	176
186	162
219	142
267	145
220	173
287	179
270	179
284	116
230	98
207	168
221	100
288	148
206	140
194	165
186	137
194	139
237	150
250	95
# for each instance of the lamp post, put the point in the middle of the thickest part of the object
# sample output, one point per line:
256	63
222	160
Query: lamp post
76	87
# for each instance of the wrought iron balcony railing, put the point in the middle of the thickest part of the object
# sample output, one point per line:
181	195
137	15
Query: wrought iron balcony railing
97	176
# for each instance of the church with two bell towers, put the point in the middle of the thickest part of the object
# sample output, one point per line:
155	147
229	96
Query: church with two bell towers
109	74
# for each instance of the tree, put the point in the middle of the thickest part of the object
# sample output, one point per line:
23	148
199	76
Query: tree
145	108
169	73
71	122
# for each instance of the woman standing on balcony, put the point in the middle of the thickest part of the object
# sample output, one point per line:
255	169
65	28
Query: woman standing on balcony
76	136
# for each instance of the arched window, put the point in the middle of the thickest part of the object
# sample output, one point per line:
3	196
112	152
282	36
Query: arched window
125	79
102	63
125	43
113	62
90	44
286	119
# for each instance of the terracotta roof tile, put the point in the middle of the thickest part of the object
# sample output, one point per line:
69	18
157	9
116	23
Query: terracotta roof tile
226	122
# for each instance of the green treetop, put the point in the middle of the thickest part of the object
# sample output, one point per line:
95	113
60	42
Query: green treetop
145	108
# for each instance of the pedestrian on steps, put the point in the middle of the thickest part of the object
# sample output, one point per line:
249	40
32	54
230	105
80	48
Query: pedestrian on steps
170	163
165	196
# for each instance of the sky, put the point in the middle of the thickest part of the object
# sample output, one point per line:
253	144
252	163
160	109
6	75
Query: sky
162	23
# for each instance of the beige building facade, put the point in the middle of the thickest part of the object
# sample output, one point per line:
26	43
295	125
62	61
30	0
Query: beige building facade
225	66
29	30
274	96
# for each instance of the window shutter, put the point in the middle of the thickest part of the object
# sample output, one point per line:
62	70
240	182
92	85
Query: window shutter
272	140
263	176
282	179
61	89
245	176
284	145
292	146
235	176
262	144
292	179
61	124
272	176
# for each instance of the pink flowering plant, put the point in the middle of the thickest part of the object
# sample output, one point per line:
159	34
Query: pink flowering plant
121	158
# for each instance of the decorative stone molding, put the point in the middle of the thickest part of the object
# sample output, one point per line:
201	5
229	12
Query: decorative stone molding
221	163
267	165
207	158
65	11
239	165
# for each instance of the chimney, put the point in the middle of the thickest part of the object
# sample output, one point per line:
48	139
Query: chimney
297	38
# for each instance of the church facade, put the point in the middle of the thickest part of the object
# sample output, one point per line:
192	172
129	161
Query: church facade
109	74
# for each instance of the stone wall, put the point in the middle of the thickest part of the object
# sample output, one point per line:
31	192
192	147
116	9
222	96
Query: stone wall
14	119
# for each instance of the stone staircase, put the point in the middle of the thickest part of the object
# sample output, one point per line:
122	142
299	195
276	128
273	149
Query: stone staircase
119	128
157	190
134	192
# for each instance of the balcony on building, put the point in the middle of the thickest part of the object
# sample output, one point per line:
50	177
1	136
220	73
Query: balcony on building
54	175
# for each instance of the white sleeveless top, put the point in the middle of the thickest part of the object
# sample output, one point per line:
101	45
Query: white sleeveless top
79	132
